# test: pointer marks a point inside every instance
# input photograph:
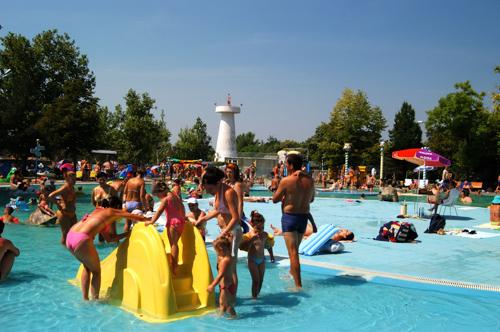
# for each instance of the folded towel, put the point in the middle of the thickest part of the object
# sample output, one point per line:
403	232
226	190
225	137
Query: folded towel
488	226
478	235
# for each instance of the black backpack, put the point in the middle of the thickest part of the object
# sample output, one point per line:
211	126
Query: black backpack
406	232
437	222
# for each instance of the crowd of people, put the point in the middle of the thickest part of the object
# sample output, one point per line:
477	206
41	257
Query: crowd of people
128	199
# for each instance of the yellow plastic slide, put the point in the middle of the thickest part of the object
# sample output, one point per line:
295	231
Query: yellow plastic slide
137	276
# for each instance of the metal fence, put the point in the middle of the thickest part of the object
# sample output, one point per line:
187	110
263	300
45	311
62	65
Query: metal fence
264	165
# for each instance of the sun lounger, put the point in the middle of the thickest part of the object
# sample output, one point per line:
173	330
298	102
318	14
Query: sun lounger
476	186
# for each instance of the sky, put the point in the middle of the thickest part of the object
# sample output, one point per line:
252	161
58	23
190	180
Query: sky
287	62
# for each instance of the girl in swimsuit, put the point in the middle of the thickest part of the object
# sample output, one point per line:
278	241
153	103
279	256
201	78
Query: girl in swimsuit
100	198
66	216
256	244
227	296
176	218
102	191
80	243
7	217
134	196
226	211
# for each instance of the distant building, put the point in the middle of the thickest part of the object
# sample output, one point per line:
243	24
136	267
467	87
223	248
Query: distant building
226	139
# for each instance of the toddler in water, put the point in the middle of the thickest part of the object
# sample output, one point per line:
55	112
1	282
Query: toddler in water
227	297
43	205
256	241
7	217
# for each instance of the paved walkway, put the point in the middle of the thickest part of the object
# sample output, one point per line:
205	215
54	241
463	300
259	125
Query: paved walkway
444	257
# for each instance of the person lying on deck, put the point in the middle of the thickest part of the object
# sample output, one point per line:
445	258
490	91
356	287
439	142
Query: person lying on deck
343	235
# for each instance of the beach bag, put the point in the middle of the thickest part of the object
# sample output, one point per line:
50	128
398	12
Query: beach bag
437	222
385	231
405	233
395	231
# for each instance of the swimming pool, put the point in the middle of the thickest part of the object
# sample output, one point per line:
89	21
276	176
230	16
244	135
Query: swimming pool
478	200
483	200
37	296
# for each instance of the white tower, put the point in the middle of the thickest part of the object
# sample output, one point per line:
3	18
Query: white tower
226	140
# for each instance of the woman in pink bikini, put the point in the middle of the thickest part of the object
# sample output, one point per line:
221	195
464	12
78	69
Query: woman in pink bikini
79	241
176	218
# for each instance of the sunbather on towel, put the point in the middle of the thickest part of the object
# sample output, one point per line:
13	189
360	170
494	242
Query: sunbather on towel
343	235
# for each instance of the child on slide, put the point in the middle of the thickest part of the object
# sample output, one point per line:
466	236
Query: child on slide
227	297
79	241
176	218
256	242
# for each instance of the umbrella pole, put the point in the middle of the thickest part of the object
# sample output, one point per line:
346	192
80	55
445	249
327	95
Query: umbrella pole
424	177
416	205
424	174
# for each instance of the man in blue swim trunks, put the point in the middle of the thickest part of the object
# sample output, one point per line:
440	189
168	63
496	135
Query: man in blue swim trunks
296	193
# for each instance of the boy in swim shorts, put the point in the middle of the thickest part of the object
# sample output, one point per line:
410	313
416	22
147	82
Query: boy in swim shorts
227	297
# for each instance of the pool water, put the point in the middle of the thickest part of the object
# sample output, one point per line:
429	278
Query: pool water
38	297
477	200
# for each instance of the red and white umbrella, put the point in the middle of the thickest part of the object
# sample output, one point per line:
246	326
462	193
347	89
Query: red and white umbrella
423	157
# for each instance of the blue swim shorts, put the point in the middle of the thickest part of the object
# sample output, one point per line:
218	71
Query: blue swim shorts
294	222
132	205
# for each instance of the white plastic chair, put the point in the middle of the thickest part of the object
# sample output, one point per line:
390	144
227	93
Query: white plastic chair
450	202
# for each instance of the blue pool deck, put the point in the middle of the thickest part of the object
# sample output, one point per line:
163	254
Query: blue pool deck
435	259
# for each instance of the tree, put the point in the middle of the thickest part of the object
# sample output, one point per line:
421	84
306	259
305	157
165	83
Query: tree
246	142
462	129
163	146
69	112
20	94
353	120
48	94
271	145
194	143
111	128
406	132
495	96
494	122
69	123
140	135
